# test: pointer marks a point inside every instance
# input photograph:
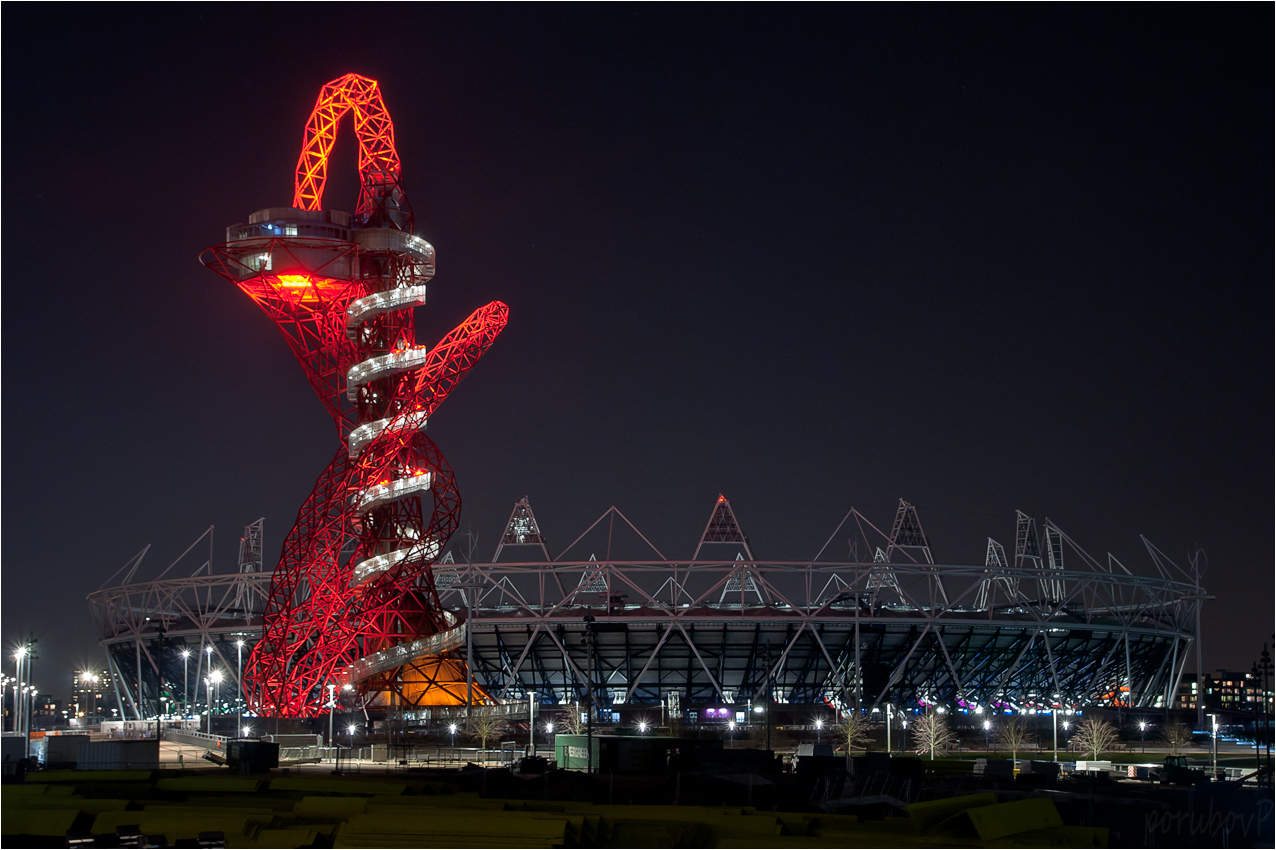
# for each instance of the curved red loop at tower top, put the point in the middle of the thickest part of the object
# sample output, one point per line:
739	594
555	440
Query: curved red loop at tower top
381	197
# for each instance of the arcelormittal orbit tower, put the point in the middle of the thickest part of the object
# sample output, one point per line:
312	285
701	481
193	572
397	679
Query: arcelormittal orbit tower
353	603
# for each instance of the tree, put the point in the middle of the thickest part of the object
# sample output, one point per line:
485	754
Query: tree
931	735
1014	736
484	725
1177	737
569	721
1094	736
853	732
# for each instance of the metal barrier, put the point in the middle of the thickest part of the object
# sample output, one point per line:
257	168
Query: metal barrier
196	739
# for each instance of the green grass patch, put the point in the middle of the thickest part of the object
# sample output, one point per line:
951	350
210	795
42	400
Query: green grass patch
335	785
80	777
42	822
214	784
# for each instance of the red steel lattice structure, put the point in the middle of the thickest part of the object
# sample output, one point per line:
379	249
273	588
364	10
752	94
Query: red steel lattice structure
353	601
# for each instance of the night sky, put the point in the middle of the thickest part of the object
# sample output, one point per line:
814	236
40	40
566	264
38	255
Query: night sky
984	258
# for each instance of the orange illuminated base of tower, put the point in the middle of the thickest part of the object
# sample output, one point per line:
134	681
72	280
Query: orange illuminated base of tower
428	681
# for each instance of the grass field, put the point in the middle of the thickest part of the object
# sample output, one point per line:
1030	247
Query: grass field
337	811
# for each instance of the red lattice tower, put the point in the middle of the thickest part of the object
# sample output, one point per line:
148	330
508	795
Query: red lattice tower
352	601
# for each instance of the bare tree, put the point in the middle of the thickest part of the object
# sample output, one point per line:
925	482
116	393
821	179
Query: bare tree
853	732
1094	736
485	726
931	735
1177	737
1015	735
569	721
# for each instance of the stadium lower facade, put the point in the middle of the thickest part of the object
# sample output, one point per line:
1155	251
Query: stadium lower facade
1047	625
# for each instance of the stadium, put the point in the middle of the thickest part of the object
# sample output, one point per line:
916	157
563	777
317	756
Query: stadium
370	598
1044	625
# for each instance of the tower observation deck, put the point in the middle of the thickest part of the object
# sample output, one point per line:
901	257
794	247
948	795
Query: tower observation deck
352	601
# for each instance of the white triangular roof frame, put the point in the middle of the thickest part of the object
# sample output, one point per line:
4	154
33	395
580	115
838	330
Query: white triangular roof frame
511	536
723	506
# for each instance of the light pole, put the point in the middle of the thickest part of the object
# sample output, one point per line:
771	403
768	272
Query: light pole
819	725
208	692
987	740
239	686
332	708
216	677
531	722
589	699
888	728
27	712
81	709
186	684
1264	669
208	669
1143	727
1054	722
1213	747
18	655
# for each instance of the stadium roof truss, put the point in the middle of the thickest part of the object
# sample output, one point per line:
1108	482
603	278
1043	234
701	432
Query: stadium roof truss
1052	626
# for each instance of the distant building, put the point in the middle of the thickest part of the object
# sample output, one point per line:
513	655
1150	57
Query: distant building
1230	690
92	694
47	713
1188	696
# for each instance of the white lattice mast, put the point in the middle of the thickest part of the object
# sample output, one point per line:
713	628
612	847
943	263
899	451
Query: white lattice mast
250	546
593	579
1052	587
882	577
908	536
1027	544
742	586
522	530
446	575
995	573
723	527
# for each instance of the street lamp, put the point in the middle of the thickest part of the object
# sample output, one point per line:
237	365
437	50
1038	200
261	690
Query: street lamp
987	730
186	688
451	728
18	655
332	707
208	692
239	683
208	668
1143	727
642	727
1213	746
819	725
34	693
